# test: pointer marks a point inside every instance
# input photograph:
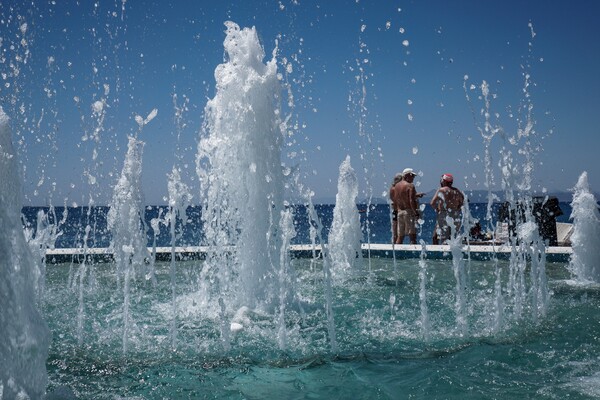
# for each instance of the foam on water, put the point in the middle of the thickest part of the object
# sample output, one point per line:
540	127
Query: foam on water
587	385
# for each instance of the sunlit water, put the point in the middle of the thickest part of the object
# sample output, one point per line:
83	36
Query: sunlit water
253	323
381	350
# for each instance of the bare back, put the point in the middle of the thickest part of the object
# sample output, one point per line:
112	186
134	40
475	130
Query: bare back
447	198
405	196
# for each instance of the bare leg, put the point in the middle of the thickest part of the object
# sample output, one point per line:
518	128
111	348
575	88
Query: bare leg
413	238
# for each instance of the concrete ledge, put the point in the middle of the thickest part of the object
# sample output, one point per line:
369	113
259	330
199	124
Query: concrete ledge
477	252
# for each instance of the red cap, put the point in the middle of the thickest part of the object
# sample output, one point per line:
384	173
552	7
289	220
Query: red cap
448	178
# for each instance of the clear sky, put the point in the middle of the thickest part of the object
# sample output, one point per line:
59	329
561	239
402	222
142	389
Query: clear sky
405	107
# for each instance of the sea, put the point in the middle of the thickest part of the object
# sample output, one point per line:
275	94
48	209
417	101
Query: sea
375	220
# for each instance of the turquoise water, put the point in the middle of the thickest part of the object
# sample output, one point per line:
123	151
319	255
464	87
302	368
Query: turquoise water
382	353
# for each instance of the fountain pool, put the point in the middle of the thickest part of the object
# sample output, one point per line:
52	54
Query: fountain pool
250	321
382	352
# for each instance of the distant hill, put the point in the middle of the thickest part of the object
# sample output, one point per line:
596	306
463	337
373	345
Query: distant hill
475	196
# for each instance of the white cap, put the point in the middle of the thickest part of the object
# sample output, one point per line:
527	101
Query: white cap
408	171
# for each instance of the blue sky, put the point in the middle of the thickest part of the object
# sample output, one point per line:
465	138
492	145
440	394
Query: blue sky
415	58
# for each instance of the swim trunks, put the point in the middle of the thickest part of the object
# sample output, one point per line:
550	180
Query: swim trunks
407	222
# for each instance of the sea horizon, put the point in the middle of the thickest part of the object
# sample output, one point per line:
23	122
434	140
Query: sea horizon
474	196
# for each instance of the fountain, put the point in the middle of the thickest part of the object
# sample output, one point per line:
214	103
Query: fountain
126	222
585	263
239	166
247	319
24	336
345	235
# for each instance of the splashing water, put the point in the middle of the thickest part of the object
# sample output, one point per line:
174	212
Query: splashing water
247	285
585	262
345	234
24	336
527	247
239	166
284	274
126	222
424	320
327	275
179	199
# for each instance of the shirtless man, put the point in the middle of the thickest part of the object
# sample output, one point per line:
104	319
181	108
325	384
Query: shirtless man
397	178
447	202
407	206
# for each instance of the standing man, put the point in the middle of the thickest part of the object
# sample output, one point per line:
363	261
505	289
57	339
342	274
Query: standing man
447	202
405	199
397	178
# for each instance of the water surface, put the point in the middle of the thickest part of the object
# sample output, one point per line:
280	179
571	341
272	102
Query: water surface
382	351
